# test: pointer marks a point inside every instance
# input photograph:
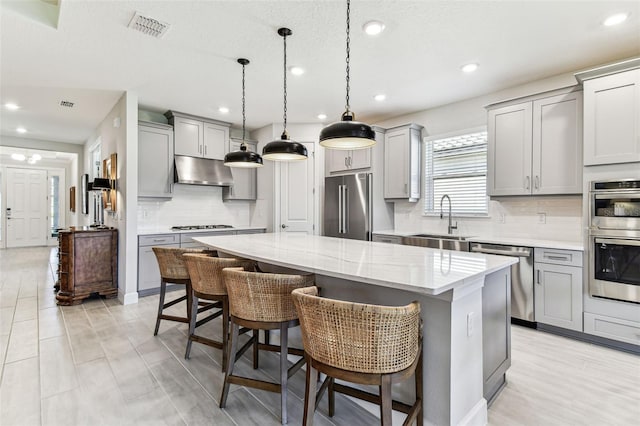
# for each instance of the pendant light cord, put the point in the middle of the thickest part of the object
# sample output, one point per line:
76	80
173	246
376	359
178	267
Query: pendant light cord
285	84
244	115
347	106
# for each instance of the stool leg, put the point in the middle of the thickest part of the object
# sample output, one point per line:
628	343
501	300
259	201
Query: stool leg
385	400
231	361
192	324
419	391
189	297
256	350
284	349
225	331
310	394
332	397
163	290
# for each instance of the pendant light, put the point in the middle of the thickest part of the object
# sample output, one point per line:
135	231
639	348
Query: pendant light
348	133
243	158
284	149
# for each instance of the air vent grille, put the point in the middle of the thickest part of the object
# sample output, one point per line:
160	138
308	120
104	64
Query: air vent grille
148	25
67	104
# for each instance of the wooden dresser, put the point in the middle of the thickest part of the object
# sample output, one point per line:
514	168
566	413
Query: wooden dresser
87	264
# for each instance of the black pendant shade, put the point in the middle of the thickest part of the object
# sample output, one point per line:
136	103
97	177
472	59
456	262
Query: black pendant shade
347	134
243	158
284	149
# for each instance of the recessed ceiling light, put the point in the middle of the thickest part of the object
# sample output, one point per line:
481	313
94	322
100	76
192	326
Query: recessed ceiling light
18	157
296	70
380	97
223	110
21	130
322	116
11	106
616	19
373	27
469	67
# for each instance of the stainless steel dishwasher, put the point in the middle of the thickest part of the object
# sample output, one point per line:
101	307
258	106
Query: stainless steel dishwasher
521	277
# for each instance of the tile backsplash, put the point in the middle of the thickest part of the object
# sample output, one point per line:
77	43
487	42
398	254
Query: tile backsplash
192	205
551	218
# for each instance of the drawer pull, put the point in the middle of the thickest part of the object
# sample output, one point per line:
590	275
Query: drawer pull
159	240
564	258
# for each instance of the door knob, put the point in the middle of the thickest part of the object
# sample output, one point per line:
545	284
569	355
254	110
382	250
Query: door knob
283	226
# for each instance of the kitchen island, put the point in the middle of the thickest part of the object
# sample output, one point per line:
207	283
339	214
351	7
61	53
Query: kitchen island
457	291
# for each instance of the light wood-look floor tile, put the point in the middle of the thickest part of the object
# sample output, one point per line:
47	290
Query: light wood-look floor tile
99	363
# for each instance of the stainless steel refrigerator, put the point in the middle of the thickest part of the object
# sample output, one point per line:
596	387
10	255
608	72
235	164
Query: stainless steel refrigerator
348	206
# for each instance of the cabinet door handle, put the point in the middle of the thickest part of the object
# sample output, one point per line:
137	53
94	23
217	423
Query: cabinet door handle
345	162
199	149
405	189
205	150
350	161
528	184
537	182
538	277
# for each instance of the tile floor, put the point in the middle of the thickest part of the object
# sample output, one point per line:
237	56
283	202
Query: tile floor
98	363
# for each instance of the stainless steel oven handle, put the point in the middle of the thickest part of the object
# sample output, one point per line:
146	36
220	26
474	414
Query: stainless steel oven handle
635	243
608	195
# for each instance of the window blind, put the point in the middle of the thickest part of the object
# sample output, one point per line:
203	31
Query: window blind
457	166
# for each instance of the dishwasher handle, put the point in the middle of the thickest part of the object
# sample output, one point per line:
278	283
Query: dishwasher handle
521	252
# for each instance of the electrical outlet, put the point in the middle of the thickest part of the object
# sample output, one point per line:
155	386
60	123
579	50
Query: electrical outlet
542	218
470	323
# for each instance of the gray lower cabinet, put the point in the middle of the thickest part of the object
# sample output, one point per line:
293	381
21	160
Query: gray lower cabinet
186	240
245	182
612	328
392	239
558	288
155	160
148	271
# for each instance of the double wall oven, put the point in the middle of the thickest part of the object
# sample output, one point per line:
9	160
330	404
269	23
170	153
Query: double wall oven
614	239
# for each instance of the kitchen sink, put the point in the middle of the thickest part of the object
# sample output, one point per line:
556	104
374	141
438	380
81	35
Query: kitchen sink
446	242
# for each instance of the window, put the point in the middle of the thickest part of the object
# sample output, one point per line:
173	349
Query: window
456	165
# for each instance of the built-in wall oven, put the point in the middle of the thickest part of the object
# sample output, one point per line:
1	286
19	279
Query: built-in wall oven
614	238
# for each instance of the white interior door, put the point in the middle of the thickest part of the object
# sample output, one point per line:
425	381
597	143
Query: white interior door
297	194
26	210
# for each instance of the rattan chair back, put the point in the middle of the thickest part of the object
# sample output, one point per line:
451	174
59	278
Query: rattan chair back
358	337
263	297
171	262
206	272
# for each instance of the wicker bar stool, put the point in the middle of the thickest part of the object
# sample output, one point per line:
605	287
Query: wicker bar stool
262	301
174	271
363	344
207	283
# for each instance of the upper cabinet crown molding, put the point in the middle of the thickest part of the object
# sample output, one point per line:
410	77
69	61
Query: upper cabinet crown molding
608	69
535	146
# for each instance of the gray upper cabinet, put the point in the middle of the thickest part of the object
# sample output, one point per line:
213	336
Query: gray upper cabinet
612	118
402	162
535	147
339	160
155	160
199	137
245	186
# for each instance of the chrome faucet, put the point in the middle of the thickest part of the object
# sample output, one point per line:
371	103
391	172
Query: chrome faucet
451	227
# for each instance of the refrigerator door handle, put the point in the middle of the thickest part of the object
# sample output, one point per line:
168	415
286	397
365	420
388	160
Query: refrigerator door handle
339	209
343	213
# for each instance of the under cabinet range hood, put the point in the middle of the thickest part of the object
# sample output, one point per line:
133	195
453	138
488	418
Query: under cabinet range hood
202	171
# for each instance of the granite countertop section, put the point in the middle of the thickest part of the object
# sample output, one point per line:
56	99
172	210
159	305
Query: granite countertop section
160	231
514	241
409	268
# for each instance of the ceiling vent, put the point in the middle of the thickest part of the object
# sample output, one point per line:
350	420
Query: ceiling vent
67	104
148	25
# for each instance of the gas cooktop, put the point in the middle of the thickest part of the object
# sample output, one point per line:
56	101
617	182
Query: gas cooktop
190	227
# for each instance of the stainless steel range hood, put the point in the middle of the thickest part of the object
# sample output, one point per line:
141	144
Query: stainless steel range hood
202	171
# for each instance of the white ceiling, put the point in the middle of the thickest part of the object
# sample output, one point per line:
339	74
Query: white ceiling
92	57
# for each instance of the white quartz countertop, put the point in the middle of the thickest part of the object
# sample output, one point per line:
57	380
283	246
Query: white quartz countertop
414	269
156	231
513	241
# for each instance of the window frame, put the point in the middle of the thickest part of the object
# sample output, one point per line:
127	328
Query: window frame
425	187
